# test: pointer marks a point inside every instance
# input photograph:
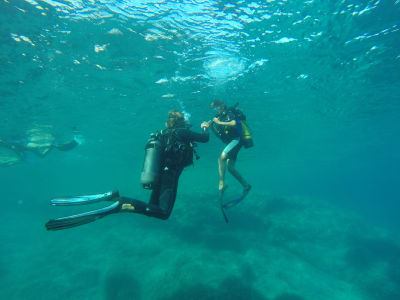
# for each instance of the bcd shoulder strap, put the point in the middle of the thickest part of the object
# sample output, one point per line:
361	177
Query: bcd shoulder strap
177	153
238	113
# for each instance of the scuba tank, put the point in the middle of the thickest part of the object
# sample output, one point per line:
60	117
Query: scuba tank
151	166
246	136
244	130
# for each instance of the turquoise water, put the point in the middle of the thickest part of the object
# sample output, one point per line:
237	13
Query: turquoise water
319	83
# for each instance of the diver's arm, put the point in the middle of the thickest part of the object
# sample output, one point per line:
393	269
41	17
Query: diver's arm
211	125
231	123
196	137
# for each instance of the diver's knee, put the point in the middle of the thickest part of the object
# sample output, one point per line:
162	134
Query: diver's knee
231	165
223	156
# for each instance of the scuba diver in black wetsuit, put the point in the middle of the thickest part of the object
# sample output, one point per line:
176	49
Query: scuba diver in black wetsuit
167	153
229	125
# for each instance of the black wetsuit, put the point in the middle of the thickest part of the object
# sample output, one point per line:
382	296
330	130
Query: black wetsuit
163	196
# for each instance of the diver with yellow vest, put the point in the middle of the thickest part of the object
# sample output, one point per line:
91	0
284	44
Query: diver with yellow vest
229	124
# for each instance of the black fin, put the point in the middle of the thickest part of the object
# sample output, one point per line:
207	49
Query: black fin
83	218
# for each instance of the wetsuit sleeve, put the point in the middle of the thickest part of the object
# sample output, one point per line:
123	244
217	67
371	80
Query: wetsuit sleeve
213	129
196	137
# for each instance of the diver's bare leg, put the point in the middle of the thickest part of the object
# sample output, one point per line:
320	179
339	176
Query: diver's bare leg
236	174
222	170
162	197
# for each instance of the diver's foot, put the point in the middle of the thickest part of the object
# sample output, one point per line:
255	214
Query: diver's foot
127	207
229	204
113	195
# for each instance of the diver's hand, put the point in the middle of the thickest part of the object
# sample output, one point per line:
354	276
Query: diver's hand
204	125
216	120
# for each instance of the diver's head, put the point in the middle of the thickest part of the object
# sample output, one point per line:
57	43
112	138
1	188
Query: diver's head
218	106
175	119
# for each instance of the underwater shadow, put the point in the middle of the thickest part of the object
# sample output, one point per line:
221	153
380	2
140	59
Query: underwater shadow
215	241
377	291
236	288
244	221
121	285
203	224
230	288
209	229
289	296
364	254
279	205
234	236
87	278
